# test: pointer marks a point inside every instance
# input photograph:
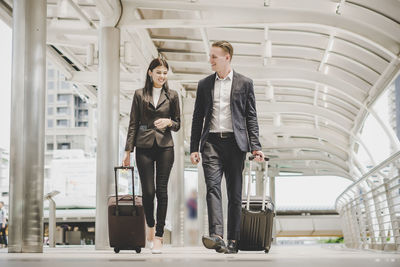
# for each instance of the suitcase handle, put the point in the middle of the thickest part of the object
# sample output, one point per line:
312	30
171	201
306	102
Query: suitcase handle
116	186
252	157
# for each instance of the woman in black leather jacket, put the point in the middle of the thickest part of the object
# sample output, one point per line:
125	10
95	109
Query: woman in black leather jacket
155	113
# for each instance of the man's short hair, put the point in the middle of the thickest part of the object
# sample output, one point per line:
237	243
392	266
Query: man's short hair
225	45
1	202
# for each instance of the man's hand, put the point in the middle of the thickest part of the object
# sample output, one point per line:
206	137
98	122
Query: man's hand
163	123
127	159
258	155
195	158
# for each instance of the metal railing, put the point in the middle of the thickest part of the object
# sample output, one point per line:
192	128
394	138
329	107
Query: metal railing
370	208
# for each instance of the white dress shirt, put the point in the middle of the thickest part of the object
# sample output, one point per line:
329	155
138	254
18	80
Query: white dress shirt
156	95
221	119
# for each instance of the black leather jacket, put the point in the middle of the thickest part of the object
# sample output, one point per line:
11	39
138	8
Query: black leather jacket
142	132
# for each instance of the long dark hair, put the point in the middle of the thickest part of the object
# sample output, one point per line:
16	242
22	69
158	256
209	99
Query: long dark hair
148	86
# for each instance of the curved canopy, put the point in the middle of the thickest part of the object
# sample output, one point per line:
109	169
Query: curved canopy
317	65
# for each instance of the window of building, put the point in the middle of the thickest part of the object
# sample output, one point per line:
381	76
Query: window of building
63	146
50	98
50	111
50	74
82	124
50	146
50	123
65	85
50	85
62	110
62	123
63	98
83	114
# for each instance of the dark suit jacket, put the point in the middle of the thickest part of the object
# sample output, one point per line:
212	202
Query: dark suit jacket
141	131
243	109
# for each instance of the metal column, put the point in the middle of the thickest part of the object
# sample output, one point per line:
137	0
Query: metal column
27	126
52	223
272	196
107	128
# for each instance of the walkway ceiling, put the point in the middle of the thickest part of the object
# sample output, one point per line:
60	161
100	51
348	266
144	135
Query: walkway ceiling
317	65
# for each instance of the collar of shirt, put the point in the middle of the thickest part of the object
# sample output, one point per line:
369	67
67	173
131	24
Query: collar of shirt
230	75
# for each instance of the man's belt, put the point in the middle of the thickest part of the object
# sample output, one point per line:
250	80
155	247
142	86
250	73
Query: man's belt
223	135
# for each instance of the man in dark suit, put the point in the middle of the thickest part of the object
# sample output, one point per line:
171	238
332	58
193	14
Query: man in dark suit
224	128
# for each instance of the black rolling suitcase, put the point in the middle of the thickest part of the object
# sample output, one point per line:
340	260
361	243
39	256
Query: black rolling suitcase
126	221
256	221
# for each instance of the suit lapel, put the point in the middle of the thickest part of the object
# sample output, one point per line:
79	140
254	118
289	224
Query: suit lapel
235	85
162	99
212	85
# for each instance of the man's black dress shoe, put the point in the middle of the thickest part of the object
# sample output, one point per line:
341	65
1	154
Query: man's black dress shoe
232	247
215	242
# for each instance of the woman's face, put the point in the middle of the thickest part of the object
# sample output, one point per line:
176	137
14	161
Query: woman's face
159	76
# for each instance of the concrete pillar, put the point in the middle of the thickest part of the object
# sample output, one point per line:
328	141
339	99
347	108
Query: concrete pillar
107	128
176	192
27	126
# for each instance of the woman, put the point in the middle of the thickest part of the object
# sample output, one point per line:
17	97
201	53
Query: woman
155	113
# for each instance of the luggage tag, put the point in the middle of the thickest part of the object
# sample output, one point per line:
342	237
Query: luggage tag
143	127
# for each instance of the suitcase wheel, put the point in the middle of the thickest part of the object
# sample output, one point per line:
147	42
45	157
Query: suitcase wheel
138	250
116	250
266	250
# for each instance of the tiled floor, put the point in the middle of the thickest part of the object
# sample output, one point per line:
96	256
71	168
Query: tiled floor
279	256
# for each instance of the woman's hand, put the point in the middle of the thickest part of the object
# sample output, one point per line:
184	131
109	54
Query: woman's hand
163	123
127	159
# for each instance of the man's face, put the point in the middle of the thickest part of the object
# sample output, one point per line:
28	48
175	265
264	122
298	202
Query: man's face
219	59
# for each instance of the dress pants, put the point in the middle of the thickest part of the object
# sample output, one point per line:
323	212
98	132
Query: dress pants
223	156
162	158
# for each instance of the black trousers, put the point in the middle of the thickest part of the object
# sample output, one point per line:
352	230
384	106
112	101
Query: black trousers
223	156
162	158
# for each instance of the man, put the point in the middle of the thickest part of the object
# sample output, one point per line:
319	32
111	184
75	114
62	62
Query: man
224	128
3	224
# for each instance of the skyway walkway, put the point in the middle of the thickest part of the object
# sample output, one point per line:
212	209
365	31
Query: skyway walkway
282	256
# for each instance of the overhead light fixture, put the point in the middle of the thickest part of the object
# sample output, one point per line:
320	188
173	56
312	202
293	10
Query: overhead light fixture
267	2
267	53
290	173
326	69
269	92
62	8
340	7
277	120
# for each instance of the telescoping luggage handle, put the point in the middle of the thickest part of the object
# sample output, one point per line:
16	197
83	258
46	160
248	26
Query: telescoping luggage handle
249	183
116	186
